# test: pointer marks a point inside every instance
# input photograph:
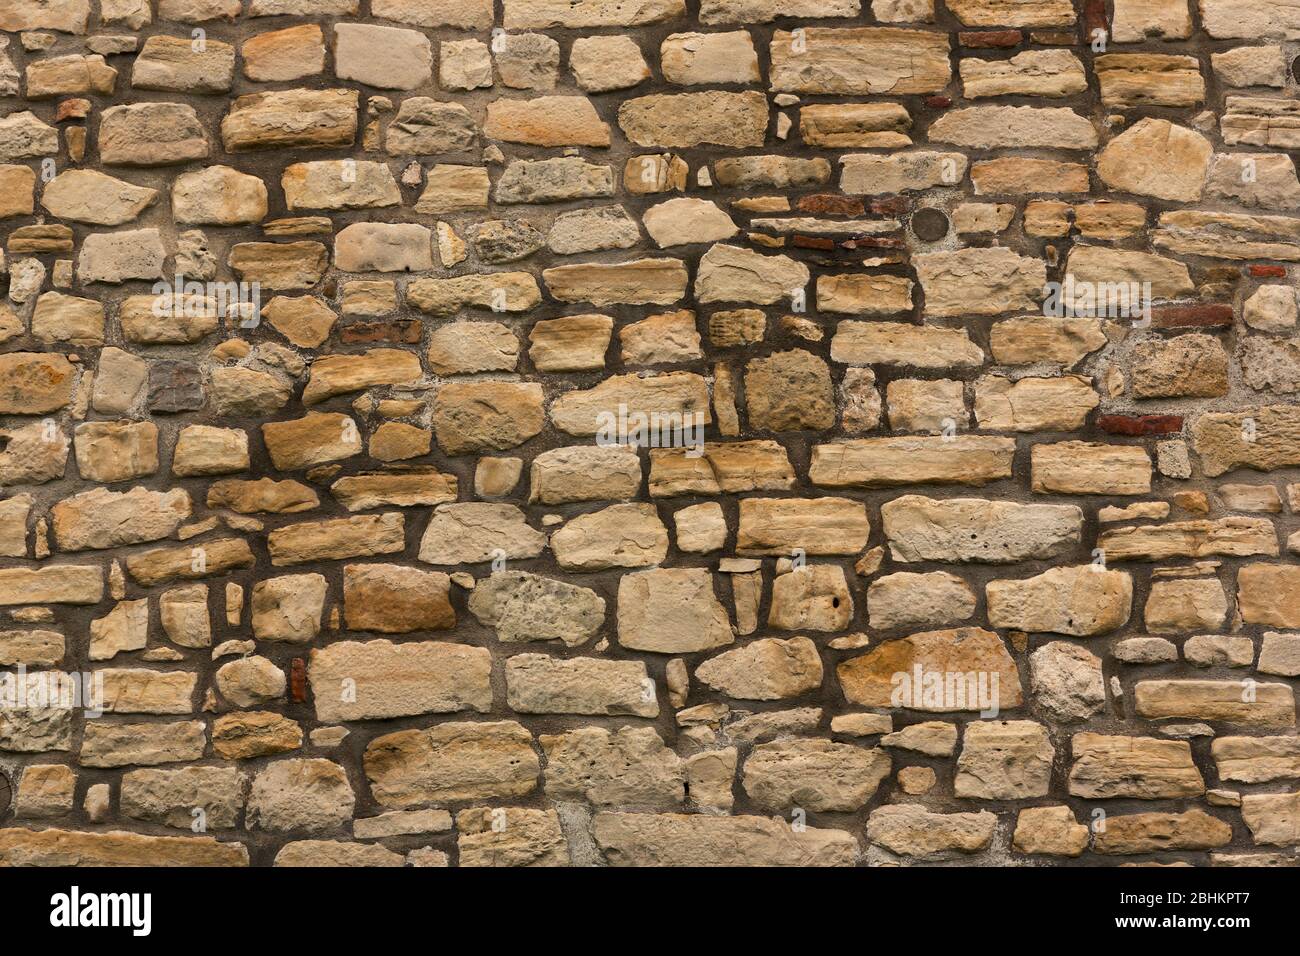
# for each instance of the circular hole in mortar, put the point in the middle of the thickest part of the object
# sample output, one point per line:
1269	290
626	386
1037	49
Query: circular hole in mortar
929	224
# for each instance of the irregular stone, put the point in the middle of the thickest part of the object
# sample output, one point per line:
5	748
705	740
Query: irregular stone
694	119
452	762
889	462
1066	681
811	774
833	60
1142	768
885	676
1081	601
151	134
1004	760
975	529
670	839
627	767
766	669
910	830
471	532
907	600
352	680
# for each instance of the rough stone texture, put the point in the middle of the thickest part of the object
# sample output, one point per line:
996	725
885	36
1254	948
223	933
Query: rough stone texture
591	431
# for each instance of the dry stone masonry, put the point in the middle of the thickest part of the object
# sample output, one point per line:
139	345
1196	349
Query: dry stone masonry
649	432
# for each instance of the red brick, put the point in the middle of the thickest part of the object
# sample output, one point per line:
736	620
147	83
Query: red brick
1211	315
989	39
829	204
298	679
1140	424
398	330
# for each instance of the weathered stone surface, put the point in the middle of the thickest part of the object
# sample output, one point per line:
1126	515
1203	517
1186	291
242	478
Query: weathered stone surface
397	680
393	599
1090	468
476	531
872	680
1055	73
979	282
1268	705
151	134
84	195
359	536
671	610
1049	830
1081	601
56	847
629	767
1066	681
909	830
815	774
1149	832
32	383
538	684
907	600
766	669
1271	817
670	839
1139	767
528	607
815	598
105	519
814	525
831	60
975	529
300	794
528	838
486	416
889	462
452	762
1233	536
1004	760
291	118
694	119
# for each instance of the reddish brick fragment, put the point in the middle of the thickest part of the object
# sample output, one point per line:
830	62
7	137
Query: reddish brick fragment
1140	424
891	206
1267	272
298	680
1211	315
989	39
72	109
397	330
1094	17
938	102
829	204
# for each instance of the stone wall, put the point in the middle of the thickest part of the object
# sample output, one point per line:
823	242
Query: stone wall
964	333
